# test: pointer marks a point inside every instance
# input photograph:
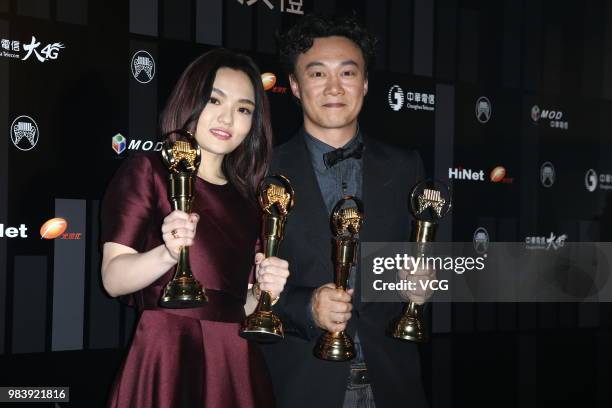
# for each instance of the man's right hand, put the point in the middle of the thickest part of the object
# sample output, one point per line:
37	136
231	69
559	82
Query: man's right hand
331	307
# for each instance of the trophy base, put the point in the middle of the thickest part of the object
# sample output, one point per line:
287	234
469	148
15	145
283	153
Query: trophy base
335	347
183	293
408	328
262	327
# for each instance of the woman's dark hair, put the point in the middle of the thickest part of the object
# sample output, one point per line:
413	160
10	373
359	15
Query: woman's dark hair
247	164
299	38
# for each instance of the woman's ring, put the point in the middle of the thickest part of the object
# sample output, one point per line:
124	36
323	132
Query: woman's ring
174	235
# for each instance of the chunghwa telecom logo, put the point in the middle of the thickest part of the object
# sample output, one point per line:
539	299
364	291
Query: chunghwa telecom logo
552	242
290	6
590	180
143	67
15	49
594	181
24	133
396	97
399	98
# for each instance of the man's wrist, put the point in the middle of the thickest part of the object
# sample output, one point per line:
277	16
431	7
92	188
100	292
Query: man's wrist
256	291
312	322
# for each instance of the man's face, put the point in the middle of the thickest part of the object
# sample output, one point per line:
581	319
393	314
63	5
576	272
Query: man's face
330	82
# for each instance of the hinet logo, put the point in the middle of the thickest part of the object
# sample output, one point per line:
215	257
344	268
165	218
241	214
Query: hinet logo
14	232
459	173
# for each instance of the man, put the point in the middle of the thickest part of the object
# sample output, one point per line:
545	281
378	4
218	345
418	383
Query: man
327	60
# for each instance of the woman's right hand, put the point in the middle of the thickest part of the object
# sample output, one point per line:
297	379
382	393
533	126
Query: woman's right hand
178	230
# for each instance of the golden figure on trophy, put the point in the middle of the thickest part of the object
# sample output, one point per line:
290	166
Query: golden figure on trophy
430	201
181	154
346	223
276	197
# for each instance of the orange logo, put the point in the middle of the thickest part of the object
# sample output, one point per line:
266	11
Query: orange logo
268	79
53	228
498	174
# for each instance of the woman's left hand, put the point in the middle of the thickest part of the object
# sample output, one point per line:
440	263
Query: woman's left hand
271	274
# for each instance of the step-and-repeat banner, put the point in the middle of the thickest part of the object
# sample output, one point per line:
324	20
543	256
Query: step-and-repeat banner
507	101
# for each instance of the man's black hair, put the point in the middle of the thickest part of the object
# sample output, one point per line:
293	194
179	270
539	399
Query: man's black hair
299	38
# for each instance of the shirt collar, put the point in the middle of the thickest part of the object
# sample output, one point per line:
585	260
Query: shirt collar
318	148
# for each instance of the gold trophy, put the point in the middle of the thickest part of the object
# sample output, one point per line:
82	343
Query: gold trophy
182	156
276	199
346	223
430	201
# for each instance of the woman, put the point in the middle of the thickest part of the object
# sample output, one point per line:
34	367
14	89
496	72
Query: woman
195	357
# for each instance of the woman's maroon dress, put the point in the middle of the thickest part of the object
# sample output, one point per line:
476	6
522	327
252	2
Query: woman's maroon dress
188	357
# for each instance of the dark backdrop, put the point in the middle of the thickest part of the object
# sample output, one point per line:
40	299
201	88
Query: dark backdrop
436	59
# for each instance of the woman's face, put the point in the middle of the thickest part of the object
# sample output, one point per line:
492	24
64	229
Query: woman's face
226	119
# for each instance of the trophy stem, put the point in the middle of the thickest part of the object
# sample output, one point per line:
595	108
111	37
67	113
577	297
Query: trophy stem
265	302
345	251
270	246
338	346
180	191
263	325
183	291
184	269
409	326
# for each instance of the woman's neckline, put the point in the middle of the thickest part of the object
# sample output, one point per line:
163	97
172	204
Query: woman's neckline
211	183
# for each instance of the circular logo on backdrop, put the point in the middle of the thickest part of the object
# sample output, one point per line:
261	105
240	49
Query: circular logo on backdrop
143	67
483	109
590	180
481	240
53	228
547	174
535	113
497	174
24	133
268	80
396	97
